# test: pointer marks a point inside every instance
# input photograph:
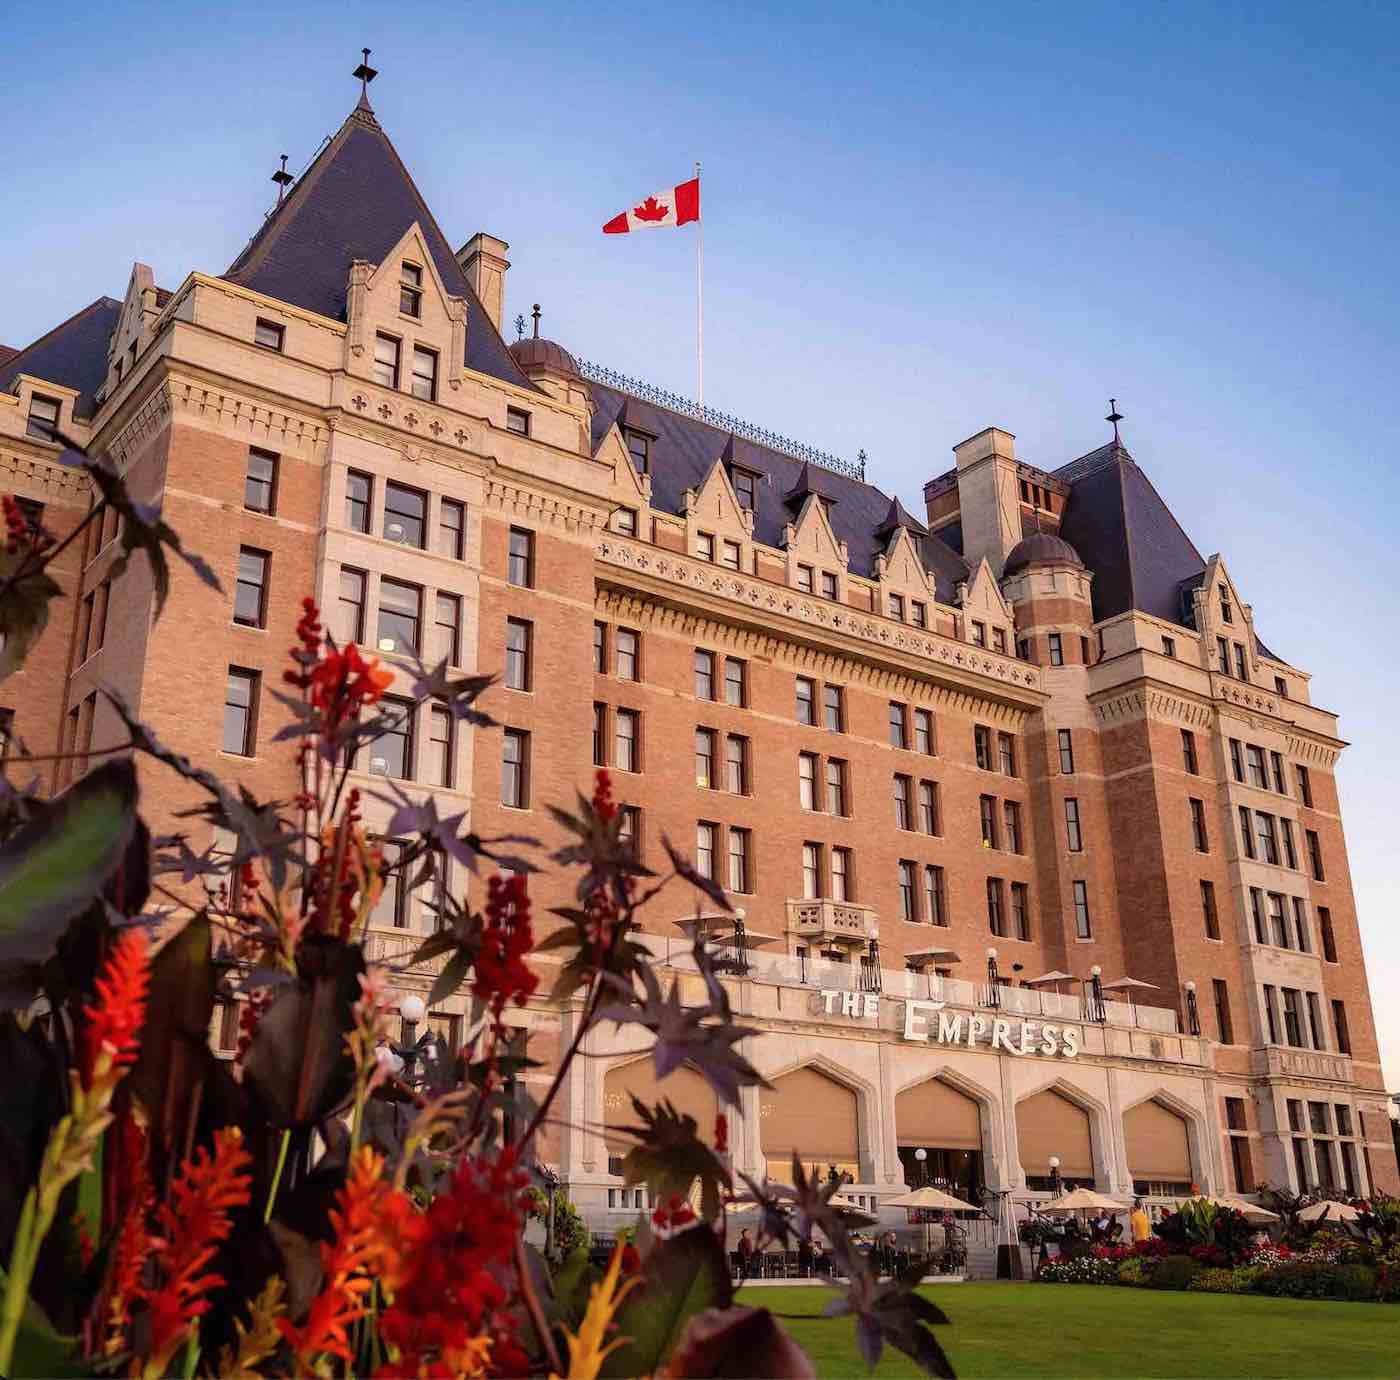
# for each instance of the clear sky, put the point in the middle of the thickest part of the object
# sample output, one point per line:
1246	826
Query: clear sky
920	220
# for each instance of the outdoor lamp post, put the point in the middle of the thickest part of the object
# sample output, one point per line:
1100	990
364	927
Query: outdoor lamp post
1100	1012
922	1156
412	1009
993	986
1055	1185
1193	1014
741	947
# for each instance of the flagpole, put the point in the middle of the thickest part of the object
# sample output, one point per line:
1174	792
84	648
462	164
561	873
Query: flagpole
700	302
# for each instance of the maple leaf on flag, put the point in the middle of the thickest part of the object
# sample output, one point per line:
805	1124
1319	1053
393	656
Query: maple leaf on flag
651	209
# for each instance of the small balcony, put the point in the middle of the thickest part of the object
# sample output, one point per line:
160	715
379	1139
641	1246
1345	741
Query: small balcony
822	923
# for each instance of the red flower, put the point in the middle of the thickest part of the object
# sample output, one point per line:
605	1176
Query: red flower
603	805
502	974
341	682
115	1018
673	1215
721	1134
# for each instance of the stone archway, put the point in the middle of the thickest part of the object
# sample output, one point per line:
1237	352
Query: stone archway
685	1089
1050	1124
945	1123
811	1114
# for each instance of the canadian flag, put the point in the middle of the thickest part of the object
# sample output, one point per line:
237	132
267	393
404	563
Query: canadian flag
675	206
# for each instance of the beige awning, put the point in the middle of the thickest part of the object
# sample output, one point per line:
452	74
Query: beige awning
1050	1125
937	1116
685	1089
807	1112
1158	1146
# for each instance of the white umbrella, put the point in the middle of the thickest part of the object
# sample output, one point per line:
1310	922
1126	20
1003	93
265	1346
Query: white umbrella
1333	1212
1054	975
1081	1200
852	1214
930	1197
1252	1211
1126	984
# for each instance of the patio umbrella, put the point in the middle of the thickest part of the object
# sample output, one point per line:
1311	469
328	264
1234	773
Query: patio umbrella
1252	1211
1126	984
1333	1212
1081	1200
1054	975
930	1197
852	1214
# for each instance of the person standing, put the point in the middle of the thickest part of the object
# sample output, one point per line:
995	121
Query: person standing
1139	1222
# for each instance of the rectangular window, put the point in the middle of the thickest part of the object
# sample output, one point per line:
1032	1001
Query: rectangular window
899	725
386	360
1290	851
1082	928
1057	650
515	769
1006	751
1304	784
1271	1012
629	828
1315	856
1300	925
982	746
1276	773
739	865
639	448
624	521
987	809
43	417
806	701
628	654
804	579
1241	665
600	734
1293	1017
260	483
1212	917
1316	1029
836	786
241	711
736	764
442	766
1339	1024
918	616
1237	759
731	555
1188	752
410	290
1268	840
1342	1110
1254	755
1235	1114
1169	646
1329	939
735	682
897	607
250	591
998	639
1256	910
842	878
829	587
833	709
704	675
392	906
705	546
908	900
518	421
706	837
85	648
359	489
744	481
807	780
935	903
996	915
928	808
1020	911
447	620
391	752
705	758
1246	831
1319	1121
627	734
425	372
1198	826
1012	810
452	523
268	334
600	648
520	636
903	802
1224	1027
1084	648
1066	741
405	515
350	607
923	731
520	559
400	613
1226	615
1074	835
811	871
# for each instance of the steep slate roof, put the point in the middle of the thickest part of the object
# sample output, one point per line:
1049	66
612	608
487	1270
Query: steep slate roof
685	449
7	353
355	202
73	353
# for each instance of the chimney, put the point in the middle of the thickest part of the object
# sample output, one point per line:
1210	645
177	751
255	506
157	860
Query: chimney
988	500
483	260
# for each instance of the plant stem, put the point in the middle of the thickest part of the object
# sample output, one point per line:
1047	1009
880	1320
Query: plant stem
532	1305
277	1174
22	1259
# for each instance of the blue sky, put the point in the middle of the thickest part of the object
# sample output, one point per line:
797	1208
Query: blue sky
920	220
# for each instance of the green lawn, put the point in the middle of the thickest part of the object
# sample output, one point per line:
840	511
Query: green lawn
1087	1331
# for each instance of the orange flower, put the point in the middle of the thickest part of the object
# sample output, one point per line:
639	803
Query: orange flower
115	1018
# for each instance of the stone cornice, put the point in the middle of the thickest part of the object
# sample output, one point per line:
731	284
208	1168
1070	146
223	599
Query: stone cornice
21	470
559	509
911	657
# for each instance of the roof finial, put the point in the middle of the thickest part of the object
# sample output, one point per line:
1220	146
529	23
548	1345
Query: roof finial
1114	416
366	74
283	179
535	312
519	327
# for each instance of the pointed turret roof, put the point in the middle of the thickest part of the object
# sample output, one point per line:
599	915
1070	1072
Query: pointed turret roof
355	202
896	516
811	479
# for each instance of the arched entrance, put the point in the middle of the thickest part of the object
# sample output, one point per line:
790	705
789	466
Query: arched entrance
947	1125
685	1089
815	1116
1159	1151
1049	1125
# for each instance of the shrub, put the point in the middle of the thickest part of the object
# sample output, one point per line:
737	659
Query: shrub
1175	1272
1135	1271
1213	1282
1301	1278
1080	1269
1388	1276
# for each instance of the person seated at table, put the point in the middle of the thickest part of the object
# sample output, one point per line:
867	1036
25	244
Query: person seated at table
746	1252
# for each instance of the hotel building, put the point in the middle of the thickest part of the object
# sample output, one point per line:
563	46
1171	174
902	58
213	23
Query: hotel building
935	760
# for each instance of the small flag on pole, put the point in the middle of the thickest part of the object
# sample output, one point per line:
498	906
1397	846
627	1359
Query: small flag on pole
675	206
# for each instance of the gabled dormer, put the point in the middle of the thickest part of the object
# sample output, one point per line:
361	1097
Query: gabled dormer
132	333
1225	623
988	620
407	332
817	560
630	492
906	590
717	527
